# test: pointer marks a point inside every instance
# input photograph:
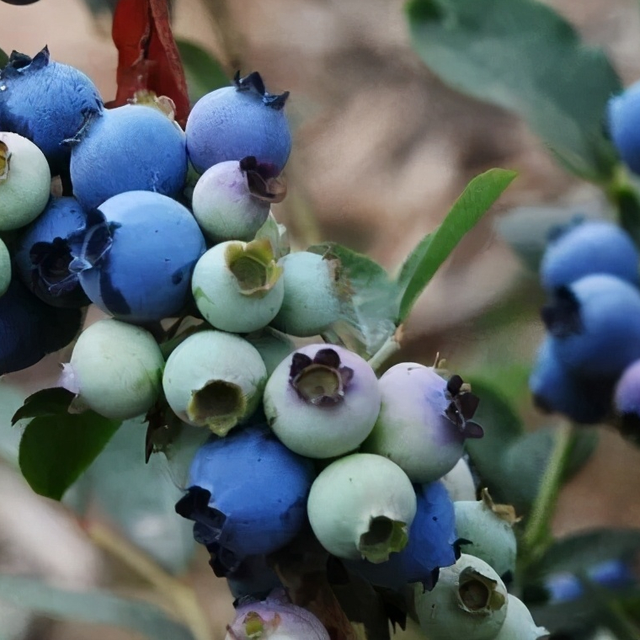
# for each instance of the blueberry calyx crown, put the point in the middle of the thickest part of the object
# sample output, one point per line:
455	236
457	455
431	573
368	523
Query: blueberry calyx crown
50	262
321	381
5	160
261	182
477	593
561	317
18	62
253	82
462	407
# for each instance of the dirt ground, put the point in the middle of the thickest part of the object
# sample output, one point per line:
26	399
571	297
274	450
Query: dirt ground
381	150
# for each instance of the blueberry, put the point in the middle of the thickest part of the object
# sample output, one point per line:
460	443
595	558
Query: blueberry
214	379
136	256
557	389
247	494
42	254
233	123
595	324
47	102
423	422
253	578
361	506
238	286
116	369
311	301
274	618
586	247
30	329
322	400
519	624
131	148
25	181
622	120
432	538
5	268
470	601
231	201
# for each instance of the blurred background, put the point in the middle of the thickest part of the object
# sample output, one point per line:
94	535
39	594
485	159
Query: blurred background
381	151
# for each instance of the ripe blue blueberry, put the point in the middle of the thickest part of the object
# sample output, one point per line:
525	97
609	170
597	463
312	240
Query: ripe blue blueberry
423	422
136	256
254	578
586	247
247	494
42	254
595	324
322	400
131	148
557	389
239	121
30	329
622	120
432	538
47	102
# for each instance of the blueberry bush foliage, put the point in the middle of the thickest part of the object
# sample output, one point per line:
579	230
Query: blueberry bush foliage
338	497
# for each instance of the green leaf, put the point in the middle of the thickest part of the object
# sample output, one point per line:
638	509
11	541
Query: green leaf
96	607
129	491
524	462
202	70
56	449
523	56
369	296
47	402
433	250
502	426
4	58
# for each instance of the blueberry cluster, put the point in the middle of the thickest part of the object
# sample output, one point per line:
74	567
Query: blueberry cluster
203	301
588	367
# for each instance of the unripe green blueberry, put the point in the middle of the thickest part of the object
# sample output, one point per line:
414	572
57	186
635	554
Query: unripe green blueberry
361	506
237	286
322	400
519	624
469	601
459	482
423	422
225	206
25	181
214	379
116	369
489	529
5	268
272	346
311	303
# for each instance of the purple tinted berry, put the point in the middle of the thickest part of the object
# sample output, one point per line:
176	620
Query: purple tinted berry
130	148
42	254
556	389
136	256
247	494
432	544
30	329
235	122
595	324
588	247
47	102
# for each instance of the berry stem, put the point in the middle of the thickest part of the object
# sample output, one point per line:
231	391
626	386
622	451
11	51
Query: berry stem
537	535
389	347
184	599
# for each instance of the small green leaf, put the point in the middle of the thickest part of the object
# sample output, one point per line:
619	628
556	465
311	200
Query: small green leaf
202	70
502	426
433	250
47	402
4	58
369	297
277	234
523	56
56	449
95	607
